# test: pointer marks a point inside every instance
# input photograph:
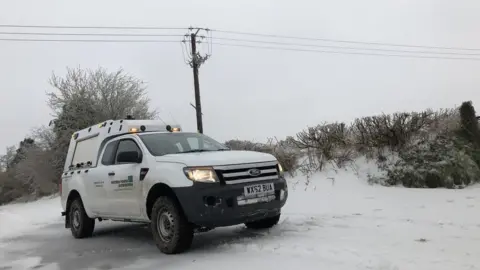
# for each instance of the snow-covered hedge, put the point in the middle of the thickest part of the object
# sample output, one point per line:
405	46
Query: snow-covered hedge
434	161
430	148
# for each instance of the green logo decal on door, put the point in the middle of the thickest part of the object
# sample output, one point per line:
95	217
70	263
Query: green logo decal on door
124	184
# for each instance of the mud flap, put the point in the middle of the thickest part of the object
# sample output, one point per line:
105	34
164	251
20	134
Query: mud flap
67	219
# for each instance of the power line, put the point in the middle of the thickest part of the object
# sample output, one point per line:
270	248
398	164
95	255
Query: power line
209	31
228	39
337	52
89	34
233	45
342	41
91	40
341	47
92	27
236	33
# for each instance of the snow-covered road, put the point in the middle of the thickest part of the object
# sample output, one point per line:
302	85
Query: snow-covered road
345	225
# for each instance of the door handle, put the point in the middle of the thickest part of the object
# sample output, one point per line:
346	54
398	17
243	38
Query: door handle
111	174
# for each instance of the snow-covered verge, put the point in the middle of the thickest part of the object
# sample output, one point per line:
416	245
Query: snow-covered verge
19	218
337	222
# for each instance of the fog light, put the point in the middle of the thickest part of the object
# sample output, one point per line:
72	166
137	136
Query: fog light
212	201
282	195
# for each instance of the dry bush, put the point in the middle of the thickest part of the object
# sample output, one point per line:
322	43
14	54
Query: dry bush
31	170
441	121
10	188
34	176
246	145
286	153
391	132
37	172
47	140
326	143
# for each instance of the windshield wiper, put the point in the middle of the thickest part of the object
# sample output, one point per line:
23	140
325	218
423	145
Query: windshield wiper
203	150
196	151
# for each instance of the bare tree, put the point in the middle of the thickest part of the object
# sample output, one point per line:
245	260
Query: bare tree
86	97
107	95
82	98
7	159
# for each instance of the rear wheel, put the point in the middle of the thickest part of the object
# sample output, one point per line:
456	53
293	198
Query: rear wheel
81	225
171	230
263	223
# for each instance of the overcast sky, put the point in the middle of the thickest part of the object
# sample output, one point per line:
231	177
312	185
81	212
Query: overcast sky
249	93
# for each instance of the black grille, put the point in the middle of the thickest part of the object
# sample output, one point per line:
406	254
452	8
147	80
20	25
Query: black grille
242	173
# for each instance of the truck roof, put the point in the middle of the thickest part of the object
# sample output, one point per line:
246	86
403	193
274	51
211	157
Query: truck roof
86	144
119	127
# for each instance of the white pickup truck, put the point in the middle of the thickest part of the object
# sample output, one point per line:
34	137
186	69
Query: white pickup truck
178	182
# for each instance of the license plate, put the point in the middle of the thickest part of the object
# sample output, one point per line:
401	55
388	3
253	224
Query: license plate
259	190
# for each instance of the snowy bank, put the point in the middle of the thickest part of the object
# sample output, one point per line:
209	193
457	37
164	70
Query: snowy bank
348	224
19	218
338	221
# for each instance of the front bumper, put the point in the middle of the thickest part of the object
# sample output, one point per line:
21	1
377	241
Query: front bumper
217	205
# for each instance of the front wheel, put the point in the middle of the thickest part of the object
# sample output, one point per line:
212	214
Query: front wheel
263	223
171	230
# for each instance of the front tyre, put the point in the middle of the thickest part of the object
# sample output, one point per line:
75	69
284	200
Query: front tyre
81	225
171	230
263	223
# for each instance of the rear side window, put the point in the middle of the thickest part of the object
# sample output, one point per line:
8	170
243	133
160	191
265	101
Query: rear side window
109	154
85	151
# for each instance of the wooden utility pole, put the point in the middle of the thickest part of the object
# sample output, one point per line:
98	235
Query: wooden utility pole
195	61
196	83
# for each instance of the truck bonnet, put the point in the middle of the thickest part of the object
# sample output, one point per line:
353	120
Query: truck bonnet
216	158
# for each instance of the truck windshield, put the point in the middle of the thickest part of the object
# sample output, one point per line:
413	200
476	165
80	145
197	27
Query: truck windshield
160	144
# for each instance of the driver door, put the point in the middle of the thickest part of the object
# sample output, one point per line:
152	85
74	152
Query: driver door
124	187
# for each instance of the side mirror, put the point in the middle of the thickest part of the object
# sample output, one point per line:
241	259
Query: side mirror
129	157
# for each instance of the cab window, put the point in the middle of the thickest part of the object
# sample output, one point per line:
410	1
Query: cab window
127	145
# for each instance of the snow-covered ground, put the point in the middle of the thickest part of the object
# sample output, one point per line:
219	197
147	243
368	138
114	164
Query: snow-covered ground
16	219
340	224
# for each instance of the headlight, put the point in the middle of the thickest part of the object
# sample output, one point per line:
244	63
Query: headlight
201	174
280	169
